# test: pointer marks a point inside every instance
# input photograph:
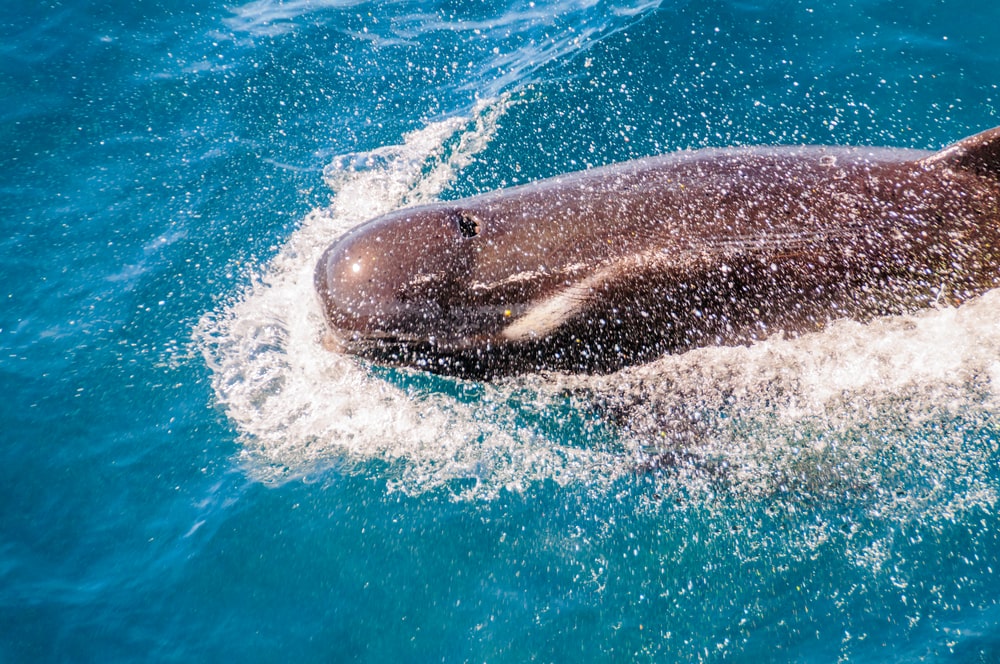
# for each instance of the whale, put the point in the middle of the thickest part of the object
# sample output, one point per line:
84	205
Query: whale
597	270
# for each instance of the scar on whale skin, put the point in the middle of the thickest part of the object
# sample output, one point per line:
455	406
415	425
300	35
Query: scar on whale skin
610	267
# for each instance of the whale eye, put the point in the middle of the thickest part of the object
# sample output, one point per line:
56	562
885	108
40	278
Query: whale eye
468	224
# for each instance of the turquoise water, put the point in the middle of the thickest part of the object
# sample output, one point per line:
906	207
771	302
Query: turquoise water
187	475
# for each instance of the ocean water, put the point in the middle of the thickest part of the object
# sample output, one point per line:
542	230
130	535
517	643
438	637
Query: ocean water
186	475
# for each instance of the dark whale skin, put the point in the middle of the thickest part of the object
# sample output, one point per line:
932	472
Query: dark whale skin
610	267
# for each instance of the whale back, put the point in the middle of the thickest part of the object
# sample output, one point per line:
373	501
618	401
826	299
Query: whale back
979	154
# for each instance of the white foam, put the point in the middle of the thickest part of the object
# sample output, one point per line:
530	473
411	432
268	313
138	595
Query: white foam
903	403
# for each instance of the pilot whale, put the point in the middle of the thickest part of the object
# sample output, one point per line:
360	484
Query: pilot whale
614	266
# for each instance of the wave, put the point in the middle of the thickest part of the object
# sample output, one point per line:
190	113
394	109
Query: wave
482	47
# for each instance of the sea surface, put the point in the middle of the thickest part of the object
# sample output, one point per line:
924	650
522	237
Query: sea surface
186	475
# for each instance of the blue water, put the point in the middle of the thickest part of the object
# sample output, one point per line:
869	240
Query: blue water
186	476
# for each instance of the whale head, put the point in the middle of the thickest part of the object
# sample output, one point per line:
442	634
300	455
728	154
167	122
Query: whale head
442	288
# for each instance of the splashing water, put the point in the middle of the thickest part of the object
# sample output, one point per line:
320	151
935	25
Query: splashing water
897	412
301	408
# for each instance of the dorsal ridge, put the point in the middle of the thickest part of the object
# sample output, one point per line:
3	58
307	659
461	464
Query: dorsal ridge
979	153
